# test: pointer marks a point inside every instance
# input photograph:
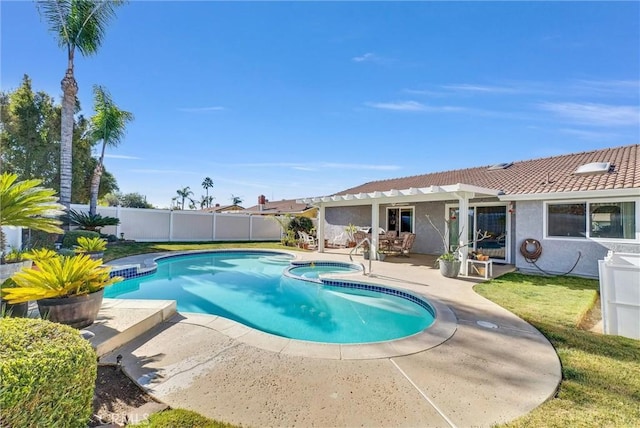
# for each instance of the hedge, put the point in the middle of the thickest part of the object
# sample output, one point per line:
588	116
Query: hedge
47	374
71	237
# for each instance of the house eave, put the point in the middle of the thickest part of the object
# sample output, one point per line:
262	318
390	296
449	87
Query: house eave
582	194
413	194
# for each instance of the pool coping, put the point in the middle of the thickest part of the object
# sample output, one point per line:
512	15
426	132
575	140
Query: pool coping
444	325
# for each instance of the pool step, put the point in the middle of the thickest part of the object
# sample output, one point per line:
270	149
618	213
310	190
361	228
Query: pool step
122	320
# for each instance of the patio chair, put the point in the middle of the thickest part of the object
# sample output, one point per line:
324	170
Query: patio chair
307	240
403	247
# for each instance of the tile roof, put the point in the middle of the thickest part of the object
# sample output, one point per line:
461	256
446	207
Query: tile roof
279	207
536	176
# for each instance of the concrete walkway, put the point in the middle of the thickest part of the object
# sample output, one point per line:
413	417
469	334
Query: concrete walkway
491	367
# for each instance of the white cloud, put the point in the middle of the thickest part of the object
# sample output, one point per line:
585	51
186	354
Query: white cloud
414	106
368	57
464	87
201	109
120	157
163	171
589	135
595	114
399	106
316	166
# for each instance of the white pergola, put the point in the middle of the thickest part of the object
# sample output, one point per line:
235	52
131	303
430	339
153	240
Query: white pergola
462	192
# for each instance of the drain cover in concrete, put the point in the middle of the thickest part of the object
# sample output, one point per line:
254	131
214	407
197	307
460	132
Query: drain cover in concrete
487	324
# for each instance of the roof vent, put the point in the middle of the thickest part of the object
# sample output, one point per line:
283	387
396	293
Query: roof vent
500	166
593	168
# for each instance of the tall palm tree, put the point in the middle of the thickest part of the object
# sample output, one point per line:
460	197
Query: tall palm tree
184	193
207	184
77	24
26	204
107	125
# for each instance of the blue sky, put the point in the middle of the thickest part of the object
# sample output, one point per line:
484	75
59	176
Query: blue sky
298	99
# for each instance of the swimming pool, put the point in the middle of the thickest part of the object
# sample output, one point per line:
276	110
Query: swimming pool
250	287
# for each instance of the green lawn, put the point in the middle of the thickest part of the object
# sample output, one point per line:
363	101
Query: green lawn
600	374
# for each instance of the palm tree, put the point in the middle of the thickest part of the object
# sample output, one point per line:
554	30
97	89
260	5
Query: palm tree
184	193
26	204
77	24
237	200
205	201
107	125
207	184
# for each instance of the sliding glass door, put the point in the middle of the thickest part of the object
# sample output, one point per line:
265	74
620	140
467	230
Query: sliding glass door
400	219
489	220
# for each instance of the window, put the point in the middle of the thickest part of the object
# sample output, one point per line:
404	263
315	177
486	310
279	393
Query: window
612	220
566	220
615	220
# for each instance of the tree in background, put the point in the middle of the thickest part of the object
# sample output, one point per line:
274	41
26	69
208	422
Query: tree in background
184	193
127	200
107	125
29	134
30	142
236	200
207	184
77	24
205	201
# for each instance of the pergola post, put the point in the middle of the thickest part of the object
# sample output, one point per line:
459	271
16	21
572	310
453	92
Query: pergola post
320	231
463	225
375	226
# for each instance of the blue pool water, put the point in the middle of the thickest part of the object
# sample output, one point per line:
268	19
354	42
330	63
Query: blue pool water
250	288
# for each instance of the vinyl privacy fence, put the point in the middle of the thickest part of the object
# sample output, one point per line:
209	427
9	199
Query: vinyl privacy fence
153	225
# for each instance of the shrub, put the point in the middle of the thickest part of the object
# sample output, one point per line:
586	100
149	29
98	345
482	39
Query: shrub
300	224
180	418
90	245
47	374
70	239
88	221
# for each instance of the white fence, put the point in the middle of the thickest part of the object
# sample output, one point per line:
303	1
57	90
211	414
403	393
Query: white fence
151	225
620	294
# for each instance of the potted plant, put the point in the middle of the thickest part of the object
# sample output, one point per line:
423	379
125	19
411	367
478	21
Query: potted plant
12	310
69	290
94	247
351	229
23	204
449	262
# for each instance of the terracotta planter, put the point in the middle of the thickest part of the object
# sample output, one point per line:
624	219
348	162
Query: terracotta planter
449	269
77	311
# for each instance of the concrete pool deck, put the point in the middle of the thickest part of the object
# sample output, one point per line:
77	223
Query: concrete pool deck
490	368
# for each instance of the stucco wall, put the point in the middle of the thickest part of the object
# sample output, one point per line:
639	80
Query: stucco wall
427	239
559	255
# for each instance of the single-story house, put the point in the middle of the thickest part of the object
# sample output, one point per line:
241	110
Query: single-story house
224	209
573	208
282	207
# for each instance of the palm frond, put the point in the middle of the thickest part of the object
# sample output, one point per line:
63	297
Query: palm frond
109	123
79	24
26	204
